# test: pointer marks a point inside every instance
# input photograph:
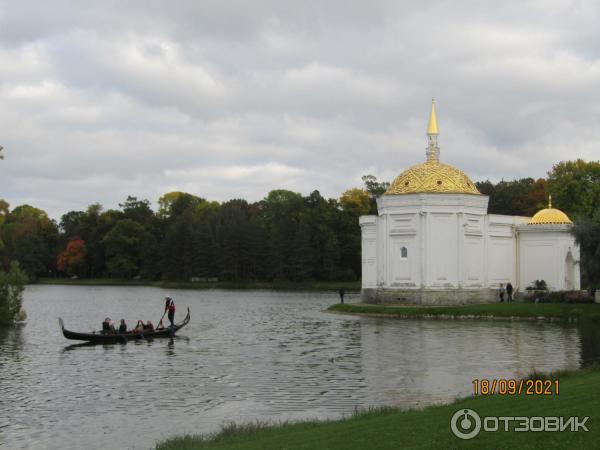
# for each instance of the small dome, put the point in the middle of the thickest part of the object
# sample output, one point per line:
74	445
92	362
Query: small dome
550	215
432	176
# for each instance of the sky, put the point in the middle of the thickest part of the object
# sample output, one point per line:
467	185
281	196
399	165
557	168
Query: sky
232	99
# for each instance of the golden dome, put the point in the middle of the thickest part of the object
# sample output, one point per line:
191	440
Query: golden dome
550	215
432	176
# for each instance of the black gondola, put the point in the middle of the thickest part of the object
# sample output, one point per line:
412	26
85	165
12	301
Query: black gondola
106	338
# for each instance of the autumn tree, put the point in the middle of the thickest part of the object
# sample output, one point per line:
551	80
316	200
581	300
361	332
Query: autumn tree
174	204
375	190
356	201
72	260
165	203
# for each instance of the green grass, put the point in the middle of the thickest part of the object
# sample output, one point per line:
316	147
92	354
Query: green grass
279	285
429	428
559	311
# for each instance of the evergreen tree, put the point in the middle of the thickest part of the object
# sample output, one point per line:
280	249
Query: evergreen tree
330	257
123	249
300	263
174	249
150	257
205	252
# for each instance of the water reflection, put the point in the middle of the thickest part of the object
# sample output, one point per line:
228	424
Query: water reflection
80	345
590	343
11	340
245	356
424	361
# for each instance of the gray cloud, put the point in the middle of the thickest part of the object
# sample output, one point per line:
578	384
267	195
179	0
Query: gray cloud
100	100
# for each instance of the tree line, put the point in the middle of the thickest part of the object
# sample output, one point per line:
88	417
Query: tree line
284	237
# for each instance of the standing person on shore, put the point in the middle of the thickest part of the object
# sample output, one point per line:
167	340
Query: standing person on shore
342	291
509	292
170	307
501	292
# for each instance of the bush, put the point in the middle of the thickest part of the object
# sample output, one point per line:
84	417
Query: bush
537	285
559	297
12	285
345	275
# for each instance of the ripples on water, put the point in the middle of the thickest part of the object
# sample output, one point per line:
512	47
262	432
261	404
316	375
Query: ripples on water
245	355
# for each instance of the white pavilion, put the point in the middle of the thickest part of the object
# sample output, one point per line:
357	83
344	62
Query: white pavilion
433	241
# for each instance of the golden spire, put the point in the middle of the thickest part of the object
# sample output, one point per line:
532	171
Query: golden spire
550	201
433	150
432	128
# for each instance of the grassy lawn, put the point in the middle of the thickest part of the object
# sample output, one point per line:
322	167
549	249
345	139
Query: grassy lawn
428	428
561	311
282	285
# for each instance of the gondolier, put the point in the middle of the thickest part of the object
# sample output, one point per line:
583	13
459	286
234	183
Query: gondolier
170	307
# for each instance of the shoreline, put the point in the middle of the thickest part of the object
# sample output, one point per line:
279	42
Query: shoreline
350	286
390	428
462	317
550	312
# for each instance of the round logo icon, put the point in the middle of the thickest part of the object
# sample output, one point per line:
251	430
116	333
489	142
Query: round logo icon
465	424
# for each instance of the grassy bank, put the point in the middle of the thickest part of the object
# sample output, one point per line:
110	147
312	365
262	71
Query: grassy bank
557	311
281	285
425	429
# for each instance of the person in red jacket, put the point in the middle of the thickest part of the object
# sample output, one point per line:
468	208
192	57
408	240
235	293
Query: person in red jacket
170	307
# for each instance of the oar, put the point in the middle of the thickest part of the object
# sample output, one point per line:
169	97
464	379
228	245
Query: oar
163	316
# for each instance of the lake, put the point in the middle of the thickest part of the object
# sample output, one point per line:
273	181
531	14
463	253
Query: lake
246	355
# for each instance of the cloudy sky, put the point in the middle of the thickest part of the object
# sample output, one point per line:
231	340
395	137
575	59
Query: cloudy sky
230	99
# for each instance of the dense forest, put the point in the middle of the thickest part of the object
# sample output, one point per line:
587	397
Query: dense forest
285	236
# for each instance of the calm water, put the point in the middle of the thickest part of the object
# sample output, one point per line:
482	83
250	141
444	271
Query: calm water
245	355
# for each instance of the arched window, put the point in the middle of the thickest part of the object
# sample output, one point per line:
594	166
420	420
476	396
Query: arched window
404	252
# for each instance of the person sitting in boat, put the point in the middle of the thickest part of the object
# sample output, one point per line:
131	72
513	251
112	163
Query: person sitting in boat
108	326
139	326
123	326
149	326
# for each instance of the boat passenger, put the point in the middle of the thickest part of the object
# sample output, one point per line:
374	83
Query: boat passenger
108	326
123	326
149	326
139	326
